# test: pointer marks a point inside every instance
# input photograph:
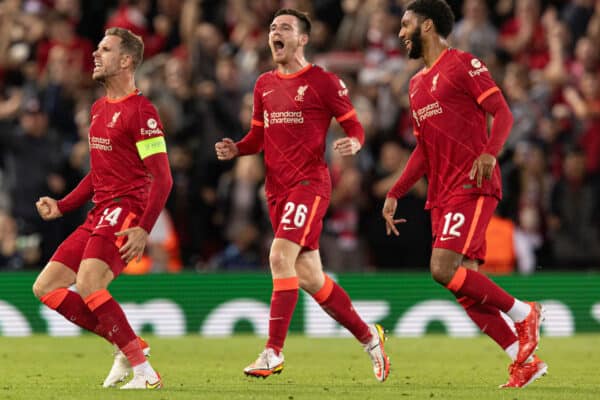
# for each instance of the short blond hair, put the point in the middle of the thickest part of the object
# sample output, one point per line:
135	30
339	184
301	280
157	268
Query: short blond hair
131	44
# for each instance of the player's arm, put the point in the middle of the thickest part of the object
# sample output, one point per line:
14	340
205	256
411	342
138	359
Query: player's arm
158	167
335	95
252	143
486	93
153	153
356	135
414	170
496	105
50	209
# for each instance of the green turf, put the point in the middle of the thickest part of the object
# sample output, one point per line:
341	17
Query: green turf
434	367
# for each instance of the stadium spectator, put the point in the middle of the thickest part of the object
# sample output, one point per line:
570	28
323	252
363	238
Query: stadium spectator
129	182
500	239
32	156
415	245
10	258
586	107
574	219
341	245
298	185
524	36
474	33
241	215
61	34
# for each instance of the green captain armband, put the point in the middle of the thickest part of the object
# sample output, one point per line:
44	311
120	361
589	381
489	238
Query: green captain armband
149	147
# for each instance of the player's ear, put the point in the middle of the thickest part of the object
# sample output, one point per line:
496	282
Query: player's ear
126	61
303	39
427	25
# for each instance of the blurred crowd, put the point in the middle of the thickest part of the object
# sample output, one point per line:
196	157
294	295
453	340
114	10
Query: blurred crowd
202	58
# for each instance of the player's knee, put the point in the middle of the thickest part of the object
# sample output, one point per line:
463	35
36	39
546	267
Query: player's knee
441	273
39	289
308	283
84	287
279	262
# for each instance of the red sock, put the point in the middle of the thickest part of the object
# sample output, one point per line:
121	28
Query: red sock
489	320
336	302
111	316
71	306
479	288
283	303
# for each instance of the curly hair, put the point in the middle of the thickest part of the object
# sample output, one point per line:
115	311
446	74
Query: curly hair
436	10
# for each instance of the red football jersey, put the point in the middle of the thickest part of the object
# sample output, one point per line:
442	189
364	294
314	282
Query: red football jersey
451	126
295	111
122	133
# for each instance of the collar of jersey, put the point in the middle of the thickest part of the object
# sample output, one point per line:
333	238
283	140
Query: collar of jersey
426	70
295	74
120	99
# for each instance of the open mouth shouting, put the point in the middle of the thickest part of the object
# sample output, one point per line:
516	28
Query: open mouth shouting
278	47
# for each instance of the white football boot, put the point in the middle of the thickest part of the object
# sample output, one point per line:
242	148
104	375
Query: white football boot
267	363
148	379
381	362
121	368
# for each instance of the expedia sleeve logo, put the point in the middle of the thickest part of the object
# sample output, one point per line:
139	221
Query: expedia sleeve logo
479	68
153	128
344	91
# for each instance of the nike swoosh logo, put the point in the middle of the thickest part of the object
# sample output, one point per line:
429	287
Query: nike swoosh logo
413	93
155	385
268	92
443	239
289	228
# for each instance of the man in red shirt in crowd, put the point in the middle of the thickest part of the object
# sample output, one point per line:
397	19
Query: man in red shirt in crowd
449	100
129	181
293	107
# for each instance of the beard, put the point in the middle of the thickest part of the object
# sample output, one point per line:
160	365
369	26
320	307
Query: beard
416	49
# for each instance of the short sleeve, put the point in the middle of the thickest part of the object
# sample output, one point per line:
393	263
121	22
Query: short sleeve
475	78
148	131
336	98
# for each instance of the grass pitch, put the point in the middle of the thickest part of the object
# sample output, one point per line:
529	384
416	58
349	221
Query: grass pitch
434	367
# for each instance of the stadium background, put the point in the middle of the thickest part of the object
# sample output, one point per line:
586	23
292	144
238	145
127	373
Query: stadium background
206	267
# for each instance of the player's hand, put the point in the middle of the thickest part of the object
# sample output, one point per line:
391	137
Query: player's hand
347	146
226	149
483	167
389	209
136	242
47	207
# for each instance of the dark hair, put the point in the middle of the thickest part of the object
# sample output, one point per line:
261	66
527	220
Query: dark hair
436	10
131	44
302	18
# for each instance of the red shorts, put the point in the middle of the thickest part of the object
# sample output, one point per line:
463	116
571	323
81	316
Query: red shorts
298	217
95	238
460	225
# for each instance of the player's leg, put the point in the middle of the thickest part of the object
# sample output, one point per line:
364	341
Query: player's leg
101	263
51	286
460	231
335	301
282	258
489	319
